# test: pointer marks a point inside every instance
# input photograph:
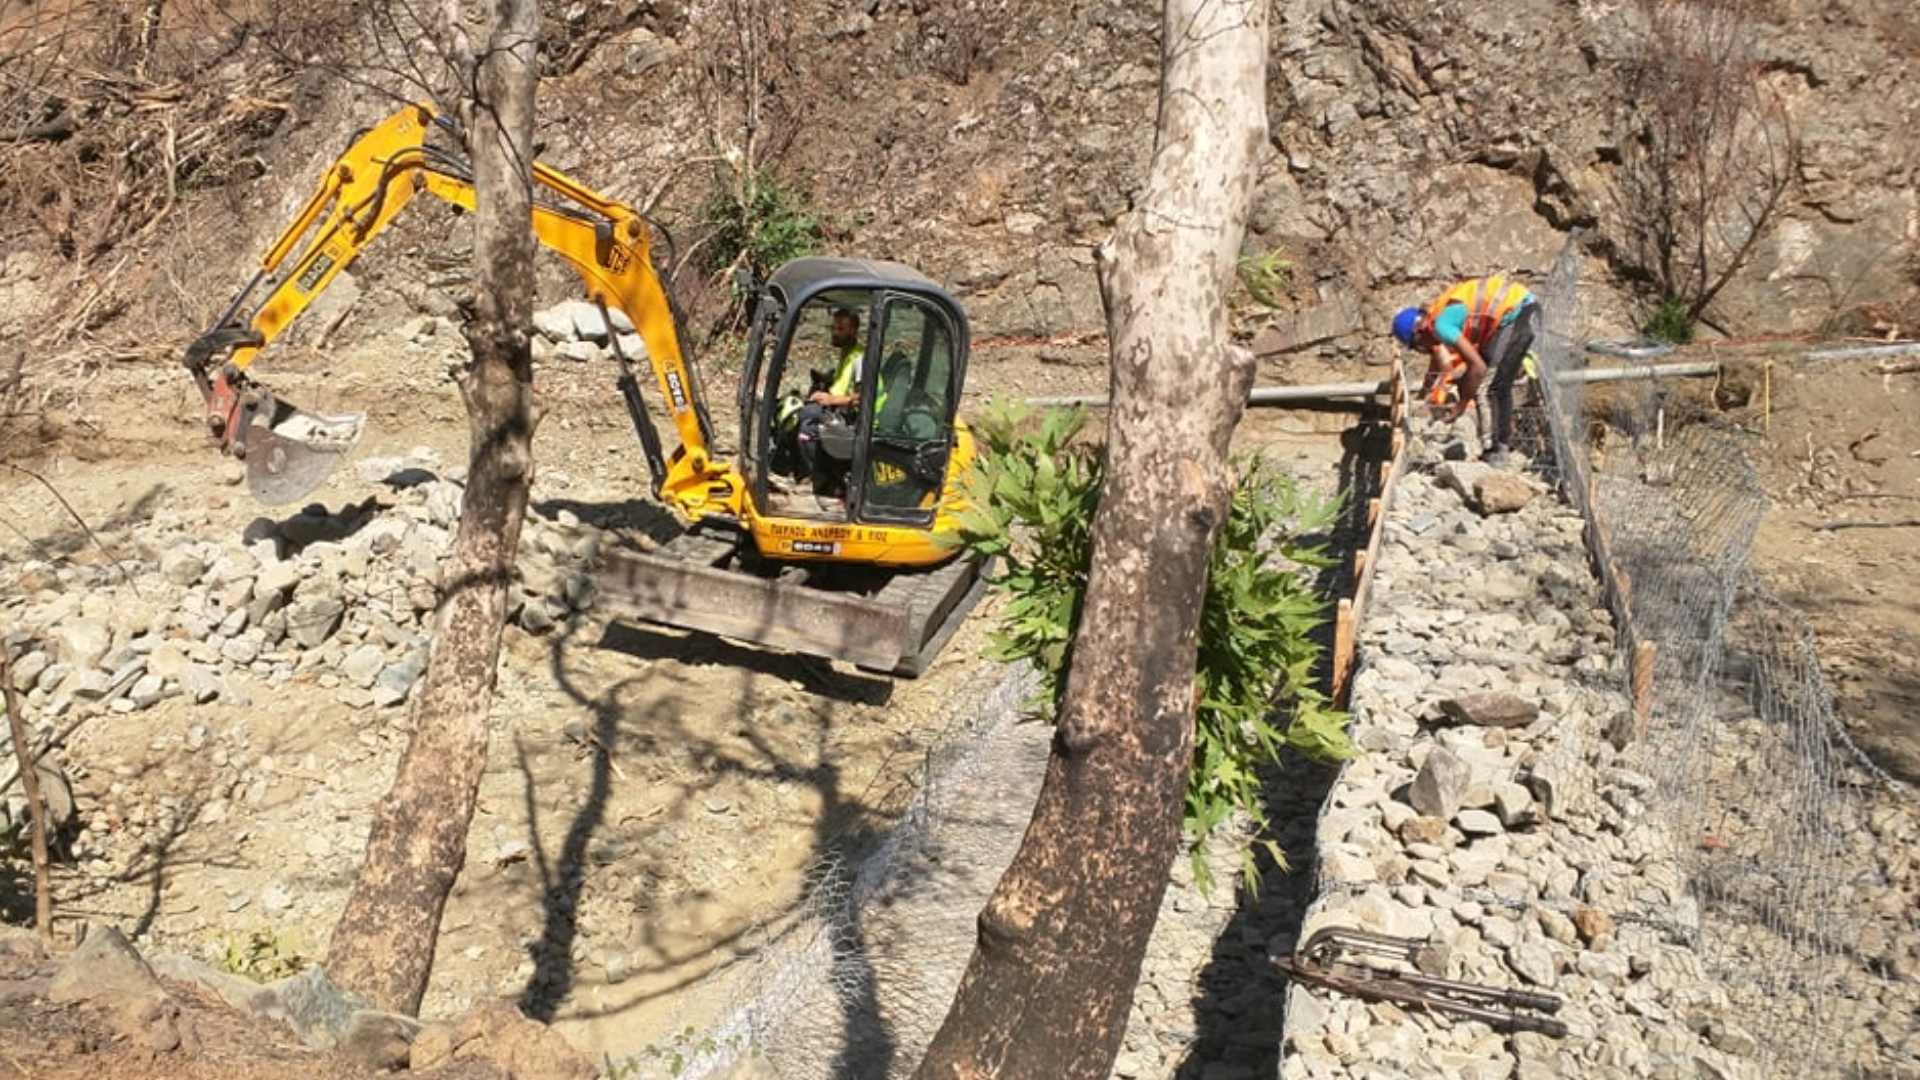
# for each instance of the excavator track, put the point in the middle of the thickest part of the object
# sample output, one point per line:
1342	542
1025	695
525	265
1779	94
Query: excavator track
699	581
937	602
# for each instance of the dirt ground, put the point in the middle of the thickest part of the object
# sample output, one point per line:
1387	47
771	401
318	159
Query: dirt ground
1838	455
698	782
729	771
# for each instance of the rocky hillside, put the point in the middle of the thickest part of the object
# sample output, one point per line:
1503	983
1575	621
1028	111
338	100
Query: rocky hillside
995	143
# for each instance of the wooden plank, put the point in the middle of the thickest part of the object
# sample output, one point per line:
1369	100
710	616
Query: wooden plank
1641	685
1343	653
1351	609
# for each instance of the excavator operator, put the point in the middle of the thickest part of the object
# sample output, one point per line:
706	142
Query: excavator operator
841	395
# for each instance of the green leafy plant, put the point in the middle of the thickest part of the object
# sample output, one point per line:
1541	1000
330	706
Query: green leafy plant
1266	277
1032	495
761	223
677	1055
262	955
1670	321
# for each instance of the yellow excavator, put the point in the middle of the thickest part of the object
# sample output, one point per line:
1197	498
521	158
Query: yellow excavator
836	551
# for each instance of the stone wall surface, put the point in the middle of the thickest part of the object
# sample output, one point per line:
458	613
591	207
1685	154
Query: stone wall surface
1507	819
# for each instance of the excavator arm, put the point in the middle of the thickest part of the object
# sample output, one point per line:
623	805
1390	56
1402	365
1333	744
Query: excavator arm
289	451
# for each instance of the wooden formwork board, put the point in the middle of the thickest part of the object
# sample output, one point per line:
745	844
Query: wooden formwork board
1351	610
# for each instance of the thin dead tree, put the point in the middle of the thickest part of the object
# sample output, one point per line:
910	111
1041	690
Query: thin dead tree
1712	156
384	944
29	765
32	765
1062	937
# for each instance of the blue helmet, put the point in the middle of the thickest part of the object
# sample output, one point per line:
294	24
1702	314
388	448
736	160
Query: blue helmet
1404	323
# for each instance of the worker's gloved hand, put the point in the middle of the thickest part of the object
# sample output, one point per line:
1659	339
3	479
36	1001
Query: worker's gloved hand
1444	402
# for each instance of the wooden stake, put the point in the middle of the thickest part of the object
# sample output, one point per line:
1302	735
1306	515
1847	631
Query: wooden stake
36	804
1766	395
1642	689
1342	653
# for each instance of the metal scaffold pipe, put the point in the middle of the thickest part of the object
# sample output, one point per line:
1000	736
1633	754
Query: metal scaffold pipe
1891	351
1282	395
1693	369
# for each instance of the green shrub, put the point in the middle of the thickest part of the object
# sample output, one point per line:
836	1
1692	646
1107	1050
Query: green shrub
1033	492
262	956
1267	277
761	225
1669	321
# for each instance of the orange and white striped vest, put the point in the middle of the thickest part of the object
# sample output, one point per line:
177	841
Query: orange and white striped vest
1488	301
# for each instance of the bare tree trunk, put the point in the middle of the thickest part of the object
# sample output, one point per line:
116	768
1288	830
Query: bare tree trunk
384	945
1062	937
36	802
149	40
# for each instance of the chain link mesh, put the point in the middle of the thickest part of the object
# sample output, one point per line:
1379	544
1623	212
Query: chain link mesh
1770	806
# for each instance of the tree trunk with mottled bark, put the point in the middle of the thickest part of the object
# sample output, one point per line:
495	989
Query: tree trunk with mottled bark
384	944
1061	940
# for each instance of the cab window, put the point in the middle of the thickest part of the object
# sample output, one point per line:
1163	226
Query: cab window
912	391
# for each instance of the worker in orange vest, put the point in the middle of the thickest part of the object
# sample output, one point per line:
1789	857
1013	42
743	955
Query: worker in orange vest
1478	334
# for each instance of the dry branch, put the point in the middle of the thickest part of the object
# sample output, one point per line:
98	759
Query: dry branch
1836	526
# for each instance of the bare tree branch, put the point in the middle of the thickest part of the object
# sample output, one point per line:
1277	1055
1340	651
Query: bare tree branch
1712	155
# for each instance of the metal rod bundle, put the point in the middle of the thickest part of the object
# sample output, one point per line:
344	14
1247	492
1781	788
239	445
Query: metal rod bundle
1319	962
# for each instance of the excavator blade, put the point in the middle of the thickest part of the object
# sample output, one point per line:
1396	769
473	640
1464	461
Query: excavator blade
297	451
689	584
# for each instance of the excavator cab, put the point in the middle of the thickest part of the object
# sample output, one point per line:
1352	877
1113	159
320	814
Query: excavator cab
843	548
884	462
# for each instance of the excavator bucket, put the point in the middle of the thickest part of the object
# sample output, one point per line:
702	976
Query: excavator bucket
292	452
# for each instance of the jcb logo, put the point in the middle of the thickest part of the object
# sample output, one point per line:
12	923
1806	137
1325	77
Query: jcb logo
884	473
314	272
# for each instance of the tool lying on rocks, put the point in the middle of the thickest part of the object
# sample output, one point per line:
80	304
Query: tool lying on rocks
1319	962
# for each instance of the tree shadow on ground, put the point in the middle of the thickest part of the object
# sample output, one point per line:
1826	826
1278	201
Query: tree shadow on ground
1241	1006
628	723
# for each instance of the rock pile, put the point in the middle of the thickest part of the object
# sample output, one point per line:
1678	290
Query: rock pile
344	597
1496	817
